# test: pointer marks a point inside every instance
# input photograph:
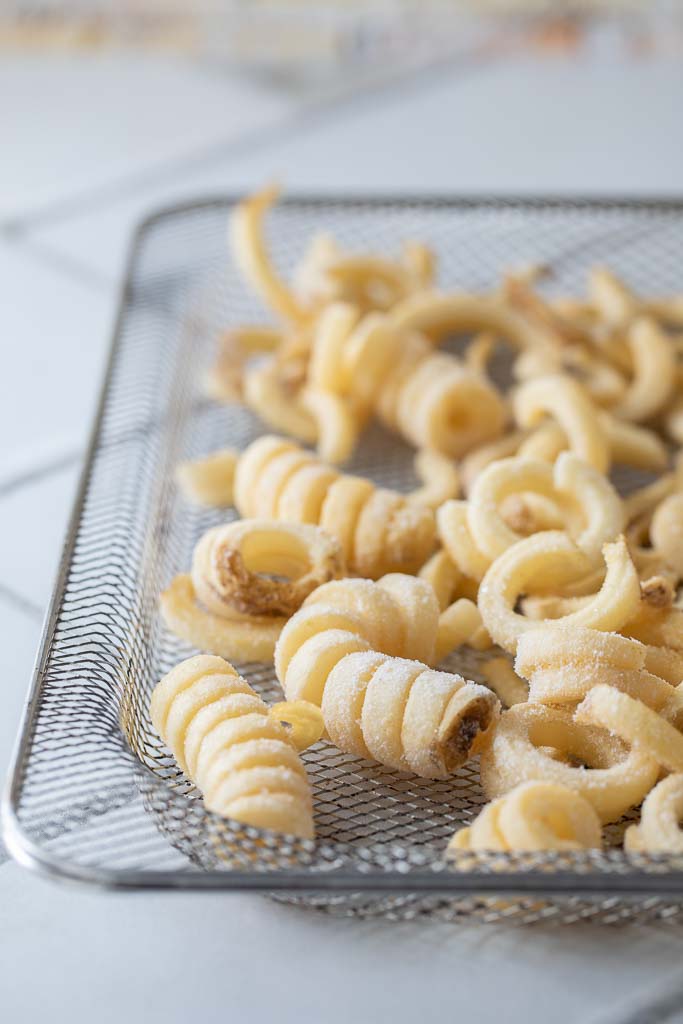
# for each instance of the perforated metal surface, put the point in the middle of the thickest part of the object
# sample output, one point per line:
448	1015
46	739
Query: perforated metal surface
94	795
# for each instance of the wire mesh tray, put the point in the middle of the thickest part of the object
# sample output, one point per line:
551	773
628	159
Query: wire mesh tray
93	795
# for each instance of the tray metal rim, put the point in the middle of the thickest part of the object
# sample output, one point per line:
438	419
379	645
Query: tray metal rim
25	851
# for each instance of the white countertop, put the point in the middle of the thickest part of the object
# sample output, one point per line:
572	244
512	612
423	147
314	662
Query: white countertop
89	146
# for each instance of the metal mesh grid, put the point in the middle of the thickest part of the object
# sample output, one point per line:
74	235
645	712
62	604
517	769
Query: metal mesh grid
94	794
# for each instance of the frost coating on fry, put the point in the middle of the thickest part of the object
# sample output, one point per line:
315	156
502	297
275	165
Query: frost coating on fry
432	399
354	648
581	494
659	830
378	529
242	638
553	558
564	663
222	736
533	816
635	723
232	605
615	780
263	567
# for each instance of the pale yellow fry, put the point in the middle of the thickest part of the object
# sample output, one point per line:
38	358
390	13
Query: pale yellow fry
252	258
209	481
439	476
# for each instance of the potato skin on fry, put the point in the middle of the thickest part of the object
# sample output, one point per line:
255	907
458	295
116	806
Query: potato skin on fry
353	650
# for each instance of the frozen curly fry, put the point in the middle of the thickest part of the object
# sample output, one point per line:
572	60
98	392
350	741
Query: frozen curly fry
580	493
440	479
629	443
552	558
635	723
666	531
439	316
249	249
224	380
430	398
607	774
657	626
504	681
563	663
337	424
533	816
659	830
634	445
263	567
241	638
460	624
475	533
615	303
654	372
278	405
303	721
208	481
378	529
603	382
618	305
327	274
454	532
350	650
224	739
443	576
476	461
564	400
247	578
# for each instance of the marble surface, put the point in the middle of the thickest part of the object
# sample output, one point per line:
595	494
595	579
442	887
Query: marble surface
89	146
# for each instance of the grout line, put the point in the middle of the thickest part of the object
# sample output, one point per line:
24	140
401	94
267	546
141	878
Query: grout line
62	261
20	603
307	117
31	476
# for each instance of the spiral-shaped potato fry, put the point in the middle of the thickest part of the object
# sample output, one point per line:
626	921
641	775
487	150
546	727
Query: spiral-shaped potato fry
659	830
563	663
430	398
571	494
616	778
379	530
552	558
533	816
247	577
223	738
350	650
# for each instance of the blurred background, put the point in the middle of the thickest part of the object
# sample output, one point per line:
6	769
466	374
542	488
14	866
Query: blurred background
312	44
111	109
